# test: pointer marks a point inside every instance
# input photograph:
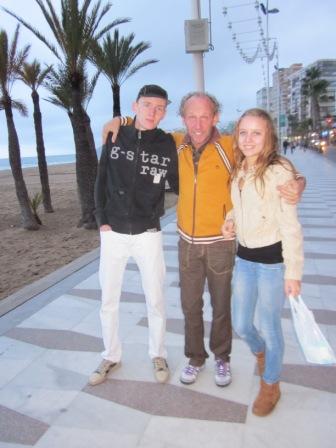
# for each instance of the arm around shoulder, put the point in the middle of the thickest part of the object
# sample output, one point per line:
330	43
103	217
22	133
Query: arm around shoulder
99	190
291	190
173	175
290	231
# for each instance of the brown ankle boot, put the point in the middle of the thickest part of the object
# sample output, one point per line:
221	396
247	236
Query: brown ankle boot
260	363
267	398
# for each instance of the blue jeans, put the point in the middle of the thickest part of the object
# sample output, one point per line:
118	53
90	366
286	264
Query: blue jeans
260	286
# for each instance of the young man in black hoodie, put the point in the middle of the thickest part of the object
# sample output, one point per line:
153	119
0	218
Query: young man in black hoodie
129	197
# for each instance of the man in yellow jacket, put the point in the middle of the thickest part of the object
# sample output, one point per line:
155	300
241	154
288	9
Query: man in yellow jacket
205	158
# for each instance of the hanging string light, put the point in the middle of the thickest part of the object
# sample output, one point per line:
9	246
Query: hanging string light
262	49
263	69
269	55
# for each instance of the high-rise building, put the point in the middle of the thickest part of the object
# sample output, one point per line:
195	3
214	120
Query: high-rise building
262	98
327	103
281	96
288	104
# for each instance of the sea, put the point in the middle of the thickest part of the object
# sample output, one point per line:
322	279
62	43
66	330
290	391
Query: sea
28	162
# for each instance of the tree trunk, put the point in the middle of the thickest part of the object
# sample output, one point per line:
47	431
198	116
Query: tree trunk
40	149
315	112
27	217
116	100
86	162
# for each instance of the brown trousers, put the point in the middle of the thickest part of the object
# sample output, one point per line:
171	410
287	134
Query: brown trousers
214	263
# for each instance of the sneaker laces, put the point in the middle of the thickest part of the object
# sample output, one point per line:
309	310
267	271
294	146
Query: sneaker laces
104	367
191	370
160	364
222	367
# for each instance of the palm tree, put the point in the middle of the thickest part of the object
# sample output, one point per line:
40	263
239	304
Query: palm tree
293	123
59	86
11	60
75	30
313	87
115	58
297	127
57	83
33	76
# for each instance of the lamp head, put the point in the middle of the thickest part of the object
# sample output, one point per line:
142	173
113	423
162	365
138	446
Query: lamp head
268	11
263	8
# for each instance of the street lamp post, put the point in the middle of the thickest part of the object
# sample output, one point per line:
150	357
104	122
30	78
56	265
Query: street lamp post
279	102
267	11
198	57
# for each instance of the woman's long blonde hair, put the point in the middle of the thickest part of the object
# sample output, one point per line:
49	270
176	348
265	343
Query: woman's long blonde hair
270	153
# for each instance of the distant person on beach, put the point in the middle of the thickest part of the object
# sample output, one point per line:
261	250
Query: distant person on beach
269	259
205	163
129	197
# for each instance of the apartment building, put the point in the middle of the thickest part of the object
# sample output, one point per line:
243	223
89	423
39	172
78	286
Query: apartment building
286	97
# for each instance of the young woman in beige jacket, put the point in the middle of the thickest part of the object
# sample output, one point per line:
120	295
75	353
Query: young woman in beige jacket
269	259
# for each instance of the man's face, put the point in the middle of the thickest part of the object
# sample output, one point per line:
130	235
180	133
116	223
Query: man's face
199	119
149	112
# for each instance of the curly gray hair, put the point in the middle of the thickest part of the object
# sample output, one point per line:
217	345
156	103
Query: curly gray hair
213	100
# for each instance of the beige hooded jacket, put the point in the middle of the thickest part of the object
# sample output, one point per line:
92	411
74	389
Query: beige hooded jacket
262	218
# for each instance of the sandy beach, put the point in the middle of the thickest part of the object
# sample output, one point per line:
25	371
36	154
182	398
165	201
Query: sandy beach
26	256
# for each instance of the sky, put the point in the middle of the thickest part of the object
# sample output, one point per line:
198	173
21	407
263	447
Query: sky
304	29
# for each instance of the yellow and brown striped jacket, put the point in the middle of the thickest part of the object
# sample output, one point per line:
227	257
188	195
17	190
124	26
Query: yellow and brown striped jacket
204	194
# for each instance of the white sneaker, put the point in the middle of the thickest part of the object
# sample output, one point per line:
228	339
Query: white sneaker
161	370
100	374
189	374
223	375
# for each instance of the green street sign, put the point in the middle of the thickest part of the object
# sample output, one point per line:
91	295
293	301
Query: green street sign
282	120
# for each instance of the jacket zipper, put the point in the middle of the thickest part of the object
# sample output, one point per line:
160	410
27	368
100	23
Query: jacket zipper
195	162
242	213
134	177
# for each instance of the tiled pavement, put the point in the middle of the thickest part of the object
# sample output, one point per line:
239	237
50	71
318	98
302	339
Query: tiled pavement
50	344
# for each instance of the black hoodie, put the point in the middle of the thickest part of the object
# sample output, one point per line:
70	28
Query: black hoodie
132	173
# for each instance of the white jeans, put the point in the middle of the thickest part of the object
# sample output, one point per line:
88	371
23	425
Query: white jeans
146	249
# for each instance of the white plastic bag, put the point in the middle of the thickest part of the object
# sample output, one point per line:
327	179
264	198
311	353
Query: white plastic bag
314	345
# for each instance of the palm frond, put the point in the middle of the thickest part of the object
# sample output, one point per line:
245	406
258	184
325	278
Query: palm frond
56	101
91	86
60	86
116	55
3	59
13	49
57	83
312	84
11	61
20	106
33	75
112	25
137	67
34	30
